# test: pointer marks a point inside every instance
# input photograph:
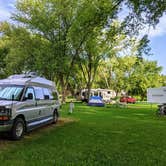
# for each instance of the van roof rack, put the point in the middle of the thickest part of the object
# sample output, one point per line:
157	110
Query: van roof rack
25	75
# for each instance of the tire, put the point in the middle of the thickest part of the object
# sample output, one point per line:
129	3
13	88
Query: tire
55	117
18	129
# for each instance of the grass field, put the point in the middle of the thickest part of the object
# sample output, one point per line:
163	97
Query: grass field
93	136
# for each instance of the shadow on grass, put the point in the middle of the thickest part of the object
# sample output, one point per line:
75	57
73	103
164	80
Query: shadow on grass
5	139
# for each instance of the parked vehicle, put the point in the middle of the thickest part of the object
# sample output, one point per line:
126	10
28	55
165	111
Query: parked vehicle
128	99
105	94
158	95
27	102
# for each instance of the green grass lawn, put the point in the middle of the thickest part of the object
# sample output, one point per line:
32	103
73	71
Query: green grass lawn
93	136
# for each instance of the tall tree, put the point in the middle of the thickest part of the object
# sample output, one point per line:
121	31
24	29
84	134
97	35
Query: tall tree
60	31
146	74
66	25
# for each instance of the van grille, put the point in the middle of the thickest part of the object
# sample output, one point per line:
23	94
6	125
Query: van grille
2	122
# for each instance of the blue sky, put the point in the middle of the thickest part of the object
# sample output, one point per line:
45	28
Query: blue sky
158	46
157	36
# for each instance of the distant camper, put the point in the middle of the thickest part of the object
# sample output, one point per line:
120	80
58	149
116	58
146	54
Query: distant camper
27	101
105	94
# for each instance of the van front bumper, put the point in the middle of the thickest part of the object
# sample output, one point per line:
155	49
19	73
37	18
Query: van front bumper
5	126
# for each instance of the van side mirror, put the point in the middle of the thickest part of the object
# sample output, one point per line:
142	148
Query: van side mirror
12	97
30	96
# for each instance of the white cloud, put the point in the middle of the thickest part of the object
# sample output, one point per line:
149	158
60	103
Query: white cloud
4	14
159	30
11	5
6	7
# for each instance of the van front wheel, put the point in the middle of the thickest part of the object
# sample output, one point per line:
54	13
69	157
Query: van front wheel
18	129
55	117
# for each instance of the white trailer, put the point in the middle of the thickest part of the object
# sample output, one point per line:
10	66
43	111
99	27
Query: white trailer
158	95
106	94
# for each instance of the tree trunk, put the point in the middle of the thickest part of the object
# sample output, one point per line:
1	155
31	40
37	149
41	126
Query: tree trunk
63	95
89	90
89	84
63	88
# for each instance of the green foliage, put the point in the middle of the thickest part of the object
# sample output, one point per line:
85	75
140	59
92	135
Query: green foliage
143	13
131	75
68	40
146	75
148	10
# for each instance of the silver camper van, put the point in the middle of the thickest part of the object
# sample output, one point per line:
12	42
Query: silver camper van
27	101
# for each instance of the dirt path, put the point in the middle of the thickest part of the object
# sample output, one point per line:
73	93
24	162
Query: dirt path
5	141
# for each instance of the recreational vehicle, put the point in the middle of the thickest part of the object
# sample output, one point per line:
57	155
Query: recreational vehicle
27	101
106	94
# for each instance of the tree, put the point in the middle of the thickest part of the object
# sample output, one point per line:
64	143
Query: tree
162	80
128	70
54	35
66	25
146	74
25	51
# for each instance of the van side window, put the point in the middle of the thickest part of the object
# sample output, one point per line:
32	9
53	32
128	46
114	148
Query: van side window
29	91
39	93
47	94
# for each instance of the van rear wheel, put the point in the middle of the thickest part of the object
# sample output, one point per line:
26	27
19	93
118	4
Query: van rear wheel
18	129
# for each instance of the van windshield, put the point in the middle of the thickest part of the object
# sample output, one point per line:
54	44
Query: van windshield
7	91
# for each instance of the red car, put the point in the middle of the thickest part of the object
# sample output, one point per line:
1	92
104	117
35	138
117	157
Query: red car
128	99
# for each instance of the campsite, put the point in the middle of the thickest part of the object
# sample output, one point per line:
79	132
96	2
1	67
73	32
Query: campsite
93	136
82	82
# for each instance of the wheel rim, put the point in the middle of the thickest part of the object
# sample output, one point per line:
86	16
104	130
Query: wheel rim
19	129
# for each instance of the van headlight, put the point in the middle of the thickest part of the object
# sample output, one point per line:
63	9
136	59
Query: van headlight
5	111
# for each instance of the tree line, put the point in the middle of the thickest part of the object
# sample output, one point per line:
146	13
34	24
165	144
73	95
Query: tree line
80	43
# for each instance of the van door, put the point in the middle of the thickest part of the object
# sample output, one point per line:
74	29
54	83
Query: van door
48	99
29	108
43	105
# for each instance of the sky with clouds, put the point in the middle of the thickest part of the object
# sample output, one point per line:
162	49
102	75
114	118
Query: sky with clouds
157	36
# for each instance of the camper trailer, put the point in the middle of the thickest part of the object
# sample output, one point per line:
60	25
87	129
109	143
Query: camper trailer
27	101
105	94
158	95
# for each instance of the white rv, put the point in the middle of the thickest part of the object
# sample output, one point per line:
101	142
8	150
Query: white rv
106	94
